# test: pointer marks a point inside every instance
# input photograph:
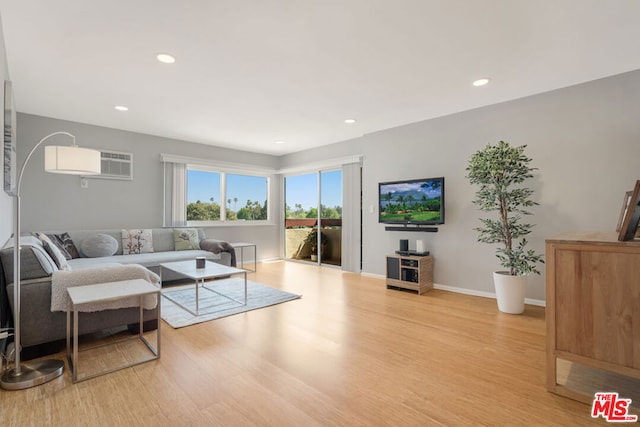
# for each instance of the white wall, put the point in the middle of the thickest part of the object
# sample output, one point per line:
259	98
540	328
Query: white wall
56	202
584	139
6	202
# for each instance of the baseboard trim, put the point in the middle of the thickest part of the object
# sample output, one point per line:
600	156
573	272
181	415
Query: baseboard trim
464	291
538	302
267	260
484	294
458	290
374	276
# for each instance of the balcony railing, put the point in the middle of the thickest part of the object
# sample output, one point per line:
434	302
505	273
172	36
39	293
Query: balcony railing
312	222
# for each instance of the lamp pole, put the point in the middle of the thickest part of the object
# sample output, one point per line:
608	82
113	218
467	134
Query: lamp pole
38	372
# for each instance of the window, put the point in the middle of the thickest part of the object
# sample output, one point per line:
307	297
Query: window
203	196
221	196
250	190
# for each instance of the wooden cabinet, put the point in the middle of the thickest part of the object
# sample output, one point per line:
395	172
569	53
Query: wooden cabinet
593	310
410	272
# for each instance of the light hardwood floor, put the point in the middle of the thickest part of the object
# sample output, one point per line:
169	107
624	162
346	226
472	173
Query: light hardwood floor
350	352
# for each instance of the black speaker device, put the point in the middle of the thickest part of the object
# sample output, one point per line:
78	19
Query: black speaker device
404	245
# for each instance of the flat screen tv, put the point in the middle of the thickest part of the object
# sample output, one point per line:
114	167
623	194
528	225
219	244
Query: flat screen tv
416	201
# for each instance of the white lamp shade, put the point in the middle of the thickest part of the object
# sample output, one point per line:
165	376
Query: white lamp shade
71	160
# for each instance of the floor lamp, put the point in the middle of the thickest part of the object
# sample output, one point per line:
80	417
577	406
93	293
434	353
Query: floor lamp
71	160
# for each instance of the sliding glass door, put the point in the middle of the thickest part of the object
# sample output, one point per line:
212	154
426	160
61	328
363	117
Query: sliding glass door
313	202
331	216
301	210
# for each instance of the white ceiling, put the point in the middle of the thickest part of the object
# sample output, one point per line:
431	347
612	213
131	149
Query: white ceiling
249	73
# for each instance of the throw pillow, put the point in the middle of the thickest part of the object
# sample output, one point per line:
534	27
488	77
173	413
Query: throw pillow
186	239
53	251
99	245
137	242
65	244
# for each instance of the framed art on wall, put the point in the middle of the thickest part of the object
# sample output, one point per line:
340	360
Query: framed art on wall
623	210
9	146
631	218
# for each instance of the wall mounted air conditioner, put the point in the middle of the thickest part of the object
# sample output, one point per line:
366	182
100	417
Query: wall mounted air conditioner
115	165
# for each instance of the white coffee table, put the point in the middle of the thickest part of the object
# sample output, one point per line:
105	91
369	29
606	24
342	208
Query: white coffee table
80	296
212	270
241	246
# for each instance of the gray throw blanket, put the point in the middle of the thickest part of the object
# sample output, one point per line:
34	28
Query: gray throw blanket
61	280
217	246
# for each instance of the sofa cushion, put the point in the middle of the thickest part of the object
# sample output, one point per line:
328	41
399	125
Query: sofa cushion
186	239
65	244
79	235
137	241
147	260
35	263
163	239
99	245
54	252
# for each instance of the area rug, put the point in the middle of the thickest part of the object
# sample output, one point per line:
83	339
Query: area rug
214	306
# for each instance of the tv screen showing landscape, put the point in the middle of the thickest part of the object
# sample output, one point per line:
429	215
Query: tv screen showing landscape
418	201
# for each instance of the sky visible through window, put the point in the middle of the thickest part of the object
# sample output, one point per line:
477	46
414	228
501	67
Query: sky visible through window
243	188
240	188
302	189
203	186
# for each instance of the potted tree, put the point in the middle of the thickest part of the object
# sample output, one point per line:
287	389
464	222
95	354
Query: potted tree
312	241
500	170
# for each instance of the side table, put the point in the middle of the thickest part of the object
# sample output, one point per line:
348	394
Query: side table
80	296
243	245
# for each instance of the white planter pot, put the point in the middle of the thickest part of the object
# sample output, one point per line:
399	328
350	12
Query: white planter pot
510	292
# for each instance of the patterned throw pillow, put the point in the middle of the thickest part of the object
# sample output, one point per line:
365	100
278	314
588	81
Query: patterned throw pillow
65	244
137	242
186	239
53	251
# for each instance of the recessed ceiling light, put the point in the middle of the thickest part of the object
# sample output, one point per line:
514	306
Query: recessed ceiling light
350	121
481	82
165	58
121	108
279	142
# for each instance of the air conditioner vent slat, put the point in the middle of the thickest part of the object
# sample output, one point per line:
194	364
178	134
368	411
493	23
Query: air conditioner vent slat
115	165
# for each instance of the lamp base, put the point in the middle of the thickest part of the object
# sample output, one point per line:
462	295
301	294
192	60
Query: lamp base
32	374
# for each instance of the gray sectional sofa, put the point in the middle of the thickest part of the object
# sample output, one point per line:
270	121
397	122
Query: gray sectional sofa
40	325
